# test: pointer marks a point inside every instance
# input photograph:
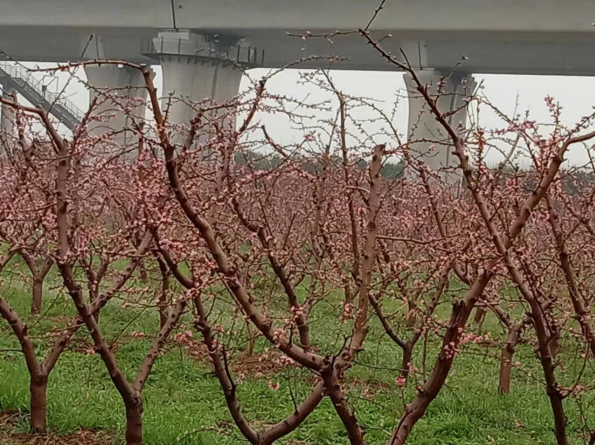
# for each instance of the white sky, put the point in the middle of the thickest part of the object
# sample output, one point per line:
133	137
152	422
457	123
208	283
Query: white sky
575	94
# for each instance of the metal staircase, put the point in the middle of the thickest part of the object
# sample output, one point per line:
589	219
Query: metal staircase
18	78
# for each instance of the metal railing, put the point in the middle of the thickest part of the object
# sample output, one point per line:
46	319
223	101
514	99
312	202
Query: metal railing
35	92
248	56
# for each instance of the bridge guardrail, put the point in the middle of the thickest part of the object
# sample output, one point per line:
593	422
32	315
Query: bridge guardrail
245	55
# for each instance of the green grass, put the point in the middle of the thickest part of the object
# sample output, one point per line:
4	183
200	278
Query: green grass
182	395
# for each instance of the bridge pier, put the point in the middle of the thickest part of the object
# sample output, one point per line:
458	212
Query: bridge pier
185	83
196	68
431	142
120	92
121	100
226	83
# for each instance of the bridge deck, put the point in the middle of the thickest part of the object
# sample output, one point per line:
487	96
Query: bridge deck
498	36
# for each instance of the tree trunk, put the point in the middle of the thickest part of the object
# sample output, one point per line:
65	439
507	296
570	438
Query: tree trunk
134	423
252	336
162	305
144	276
480	315
506	359
93	296
505	371
38	389
37	295
348	294
406	361
411	315
555	345
162	311
335	393
546	358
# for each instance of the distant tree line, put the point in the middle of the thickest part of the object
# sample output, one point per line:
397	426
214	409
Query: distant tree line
268	162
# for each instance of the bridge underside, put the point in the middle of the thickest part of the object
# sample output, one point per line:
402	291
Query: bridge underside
506	53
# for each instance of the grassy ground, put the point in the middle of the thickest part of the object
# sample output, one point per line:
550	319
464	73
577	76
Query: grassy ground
184	404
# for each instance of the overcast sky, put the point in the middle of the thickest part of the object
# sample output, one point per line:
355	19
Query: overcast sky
575	94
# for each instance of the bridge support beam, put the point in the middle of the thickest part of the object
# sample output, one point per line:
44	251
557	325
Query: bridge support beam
8	114
195	69
431	143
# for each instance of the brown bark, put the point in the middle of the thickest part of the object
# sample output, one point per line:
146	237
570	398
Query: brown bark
38	391
162	305
62	341
355	269
480	316
37	373
37	296
94	278
130	396
134	422
411	315
348	294
227	384
407	347
143	274
506	359
360	329
252	336
290	423
334	391
38	272
544	349
406	360
505	371
555	344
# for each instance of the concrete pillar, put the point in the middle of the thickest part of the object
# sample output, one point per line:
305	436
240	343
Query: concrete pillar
119	90
434	143
8	116
226	86
139	93
194	69
121	100
185	83
101	79
226	83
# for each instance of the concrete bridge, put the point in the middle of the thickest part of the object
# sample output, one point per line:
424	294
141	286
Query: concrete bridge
190	39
